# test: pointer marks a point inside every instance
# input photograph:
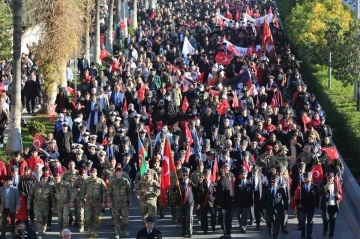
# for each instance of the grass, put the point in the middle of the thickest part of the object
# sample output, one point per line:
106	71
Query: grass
6	15
27	138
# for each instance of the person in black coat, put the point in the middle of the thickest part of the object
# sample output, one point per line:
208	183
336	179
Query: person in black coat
257	181
183	187
224	202
149	232
329	204
24	231
31	92
243	193
64	140
207	193
83	64
275	205
307	204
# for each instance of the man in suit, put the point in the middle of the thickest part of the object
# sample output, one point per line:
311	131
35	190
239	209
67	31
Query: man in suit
224	202
117	98
297	179
94	118
9	205
112	150
216	140
64	140
207	193
83	64
257	181
185	207
329	204
275	205
149	232
15	177
243	193
307	204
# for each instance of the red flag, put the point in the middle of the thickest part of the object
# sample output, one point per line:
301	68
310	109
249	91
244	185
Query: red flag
103	54
171	67
1	86
188	133
148	130
122	25
104	142
125	108
71	91
331	152
167	167
215	170
339	189
232	49
223	58
187	155
266	33
38	141
214	92
222	107
200	79
22	214
141	92
237	16
102	39
295	198
250	13
185	104
235	102
159	126
317	173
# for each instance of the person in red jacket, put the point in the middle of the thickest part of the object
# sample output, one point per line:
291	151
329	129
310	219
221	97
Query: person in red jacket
3	173
19	162
34	159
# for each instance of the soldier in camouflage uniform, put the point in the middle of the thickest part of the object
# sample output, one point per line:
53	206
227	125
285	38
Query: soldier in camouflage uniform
147	190
119	200
63	199
173	195
41	195
158	170
138	176
79	203
94	195
266	159
109	172
196	177
228	174
70	176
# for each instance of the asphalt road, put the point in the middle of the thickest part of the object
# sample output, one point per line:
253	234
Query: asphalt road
169	231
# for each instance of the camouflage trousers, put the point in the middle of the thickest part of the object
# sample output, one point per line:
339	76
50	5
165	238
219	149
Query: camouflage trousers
173	203
79	212
120	208
159	205
63	211
92	213
41	215
148	208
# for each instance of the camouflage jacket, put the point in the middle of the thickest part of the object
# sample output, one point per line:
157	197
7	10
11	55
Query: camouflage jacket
119	190
62	192
94	190
152	188
41	194
71	177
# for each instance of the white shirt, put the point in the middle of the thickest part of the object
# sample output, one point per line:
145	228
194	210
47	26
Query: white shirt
256	182
332	201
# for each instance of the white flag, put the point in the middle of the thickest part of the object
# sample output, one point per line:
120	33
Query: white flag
187	48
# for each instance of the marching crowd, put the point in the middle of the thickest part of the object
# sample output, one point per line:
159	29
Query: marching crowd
202	110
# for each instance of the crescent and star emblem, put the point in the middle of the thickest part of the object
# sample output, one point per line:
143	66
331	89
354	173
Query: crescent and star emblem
37	143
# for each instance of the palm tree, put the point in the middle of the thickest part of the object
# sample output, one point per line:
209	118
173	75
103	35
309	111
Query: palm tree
87	29
153	4
109	37
146	4
133	21
97	33
14	141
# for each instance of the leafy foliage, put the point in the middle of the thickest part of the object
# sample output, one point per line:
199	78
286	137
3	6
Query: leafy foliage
35	126
5	42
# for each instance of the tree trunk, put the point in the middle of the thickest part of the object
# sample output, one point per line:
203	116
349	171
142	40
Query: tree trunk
117	11
87	31
124	17
153	4
97	33
110	31
14	142
133	21
146	4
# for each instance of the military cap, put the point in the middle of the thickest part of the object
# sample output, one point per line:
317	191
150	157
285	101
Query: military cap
88	163
185	170
44	175
282	169
149	220
307	175
269	147
301	165
330	174
243	170
207	172
14	169
275	178
102	153
86	134
79	151
91	145
93	136
57	175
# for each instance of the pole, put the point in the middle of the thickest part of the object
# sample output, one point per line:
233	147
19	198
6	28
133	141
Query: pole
75	71
358	96
329	71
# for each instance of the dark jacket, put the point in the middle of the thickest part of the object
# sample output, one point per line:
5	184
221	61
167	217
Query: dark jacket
31	89
64	141
28	233
325	197
309	200
224	193
243	194
143	234
186	196
275	204
206	194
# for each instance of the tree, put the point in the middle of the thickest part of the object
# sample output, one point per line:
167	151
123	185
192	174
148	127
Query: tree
14	141
97	33
110	31
153	4
5	42
133	22
62	24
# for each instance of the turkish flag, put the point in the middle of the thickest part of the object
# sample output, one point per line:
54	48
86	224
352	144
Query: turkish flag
125	108
317	173
338	186
51	111
232	49
215	170
141	92
148	130
222	107
22	214
214	92
103	54
38	141
104	142
266	33
295	198
167	166
185	104
235	102
187	155
159	126
122	25
223	58
331	152
171	67
71	91
251	49
200	79
188	133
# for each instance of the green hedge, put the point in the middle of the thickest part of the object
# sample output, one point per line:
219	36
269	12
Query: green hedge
338	102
